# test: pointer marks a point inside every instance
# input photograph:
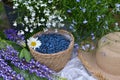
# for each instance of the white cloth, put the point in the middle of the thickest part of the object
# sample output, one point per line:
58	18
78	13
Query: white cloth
74	70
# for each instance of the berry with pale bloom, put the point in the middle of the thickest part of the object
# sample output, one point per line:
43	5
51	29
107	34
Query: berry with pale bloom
34	42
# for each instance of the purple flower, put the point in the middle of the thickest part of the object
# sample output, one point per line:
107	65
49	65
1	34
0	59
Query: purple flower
12	35
33	66
77	0
7	73
69	11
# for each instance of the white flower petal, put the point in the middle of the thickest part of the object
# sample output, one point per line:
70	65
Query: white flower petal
33	42
15	23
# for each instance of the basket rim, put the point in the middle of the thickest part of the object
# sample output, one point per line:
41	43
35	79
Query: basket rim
60	52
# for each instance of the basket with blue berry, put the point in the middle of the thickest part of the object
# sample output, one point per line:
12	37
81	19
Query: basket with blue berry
52	48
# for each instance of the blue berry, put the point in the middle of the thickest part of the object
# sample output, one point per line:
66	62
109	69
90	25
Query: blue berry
52	43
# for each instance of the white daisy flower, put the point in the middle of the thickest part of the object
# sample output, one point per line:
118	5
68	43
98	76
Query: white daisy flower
33	42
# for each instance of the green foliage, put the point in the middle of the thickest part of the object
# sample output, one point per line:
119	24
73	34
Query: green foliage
3	44
2	35
87	17
37	15
56	77
27	75
1	11
14	45
25	54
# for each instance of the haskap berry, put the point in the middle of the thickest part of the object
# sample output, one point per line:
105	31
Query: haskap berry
52	43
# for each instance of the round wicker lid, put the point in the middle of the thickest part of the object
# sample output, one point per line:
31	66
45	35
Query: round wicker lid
103	67
89	61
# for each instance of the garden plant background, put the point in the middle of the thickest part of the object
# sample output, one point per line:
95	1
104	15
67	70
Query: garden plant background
87	20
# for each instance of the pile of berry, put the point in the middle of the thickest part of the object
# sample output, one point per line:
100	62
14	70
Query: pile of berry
52	43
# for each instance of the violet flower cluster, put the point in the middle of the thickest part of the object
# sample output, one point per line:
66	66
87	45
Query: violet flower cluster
7	73
12	34
33	66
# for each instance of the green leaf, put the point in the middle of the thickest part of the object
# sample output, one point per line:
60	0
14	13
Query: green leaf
3	44
2	35
21	55
25	74
62	79
14	45
34	77
25	54
56	77
29	76
16	69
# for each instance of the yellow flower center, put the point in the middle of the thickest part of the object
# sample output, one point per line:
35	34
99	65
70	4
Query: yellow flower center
33	43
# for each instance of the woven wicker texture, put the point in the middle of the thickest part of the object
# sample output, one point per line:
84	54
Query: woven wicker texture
55	61
104	62
108	53
91	68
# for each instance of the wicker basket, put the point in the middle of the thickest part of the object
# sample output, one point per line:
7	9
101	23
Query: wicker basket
55	61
